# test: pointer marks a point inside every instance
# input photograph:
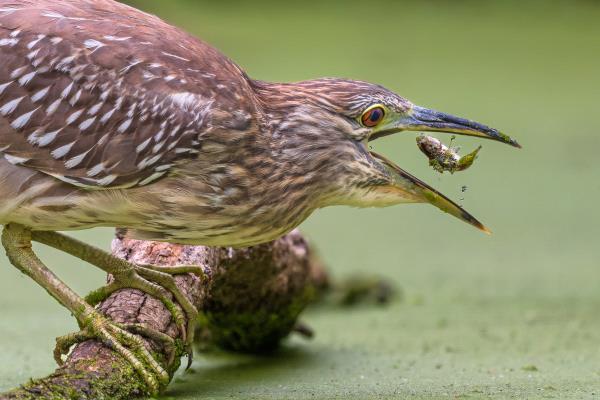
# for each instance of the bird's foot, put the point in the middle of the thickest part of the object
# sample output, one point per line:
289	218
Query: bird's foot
158	281
123	339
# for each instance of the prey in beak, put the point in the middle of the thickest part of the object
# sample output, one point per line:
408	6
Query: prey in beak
416	118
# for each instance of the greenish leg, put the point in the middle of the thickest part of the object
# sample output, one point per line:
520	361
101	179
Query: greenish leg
64	343
154	280
16	240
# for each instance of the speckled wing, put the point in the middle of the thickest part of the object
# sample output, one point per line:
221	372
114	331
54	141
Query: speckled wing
100	95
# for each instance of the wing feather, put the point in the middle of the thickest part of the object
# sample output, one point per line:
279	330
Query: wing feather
100	95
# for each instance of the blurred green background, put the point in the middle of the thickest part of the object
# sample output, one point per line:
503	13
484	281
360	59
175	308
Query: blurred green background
512	315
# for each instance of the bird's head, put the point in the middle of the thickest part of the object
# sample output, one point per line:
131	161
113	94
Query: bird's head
326	125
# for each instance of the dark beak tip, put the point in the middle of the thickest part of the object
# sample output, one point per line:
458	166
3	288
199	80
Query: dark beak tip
513	142
485	230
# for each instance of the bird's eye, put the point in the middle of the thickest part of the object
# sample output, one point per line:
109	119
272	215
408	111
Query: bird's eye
372	116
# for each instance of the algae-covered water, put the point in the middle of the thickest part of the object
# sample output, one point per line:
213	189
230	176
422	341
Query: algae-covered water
512	315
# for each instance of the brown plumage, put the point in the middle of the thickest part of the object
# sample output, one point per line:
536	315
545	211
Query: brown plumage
111	117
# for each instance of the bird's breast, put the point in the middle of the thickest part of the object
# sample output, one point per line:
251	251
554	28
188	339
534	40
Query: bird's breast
220	205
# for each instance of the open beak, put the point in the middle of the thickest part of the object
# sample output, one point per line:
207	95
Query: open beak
424	119
410	187
419	191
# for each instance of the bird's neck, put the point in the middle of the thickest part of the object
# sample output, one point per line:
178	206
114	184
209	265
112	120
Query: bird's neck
306	142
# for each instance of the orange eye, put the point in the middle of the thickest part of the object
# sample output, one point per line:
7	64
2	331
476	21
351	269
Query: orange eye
373	116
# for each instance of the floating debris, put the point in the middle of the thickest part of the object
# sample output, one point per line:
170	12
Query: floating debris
445	158
530	368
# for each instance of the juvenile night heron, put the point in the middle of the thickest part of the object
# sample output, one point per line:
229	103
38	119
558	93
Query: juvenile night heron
111	117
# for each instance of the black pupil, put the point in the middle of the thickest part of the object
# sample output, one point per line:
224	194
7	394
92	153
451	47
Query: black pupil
375	115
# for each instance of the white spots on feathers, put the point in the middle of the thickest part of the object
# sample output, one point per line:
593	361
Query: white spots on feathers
76	160
4	86
9	42
163	167
32	54
107	180
53	107
175	130
62	150
22	120
53	14
95	108
95	170
116	38
40	94
107	115
151	178
160	133
8	10
25	79
105	94
32	44
87	123
124	125
75	98
93	44
132	64
42	138
158	146
175	56
73	116
9	107
147	75
15	160
66	90
149	161
142	146
131	110
17	72
65	63
185	100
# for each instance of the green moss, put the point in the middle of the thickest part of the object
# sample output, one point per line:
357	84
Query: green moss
95	297
530	368
256	331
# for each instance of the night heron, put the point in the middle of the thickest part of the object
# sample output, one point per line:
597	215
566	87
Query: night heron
111	117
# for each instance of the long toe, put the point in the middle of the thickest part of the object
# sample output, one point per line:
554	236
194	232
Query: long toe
124	339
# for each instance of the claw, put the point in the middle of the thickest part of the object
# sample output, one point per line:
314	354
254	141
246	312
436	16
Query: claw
138	281
190	356
158	281
132	348
64	344
166	341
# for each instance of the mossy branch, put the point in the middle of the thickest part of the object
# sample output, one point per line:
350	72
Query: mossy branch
249	302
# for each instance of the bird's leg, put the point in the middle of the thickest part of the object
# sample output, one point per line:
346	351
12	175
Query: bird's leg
16	240
150	279
64	343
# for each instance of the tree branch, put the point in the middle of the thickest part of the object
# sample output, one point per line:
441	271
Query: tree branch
249	302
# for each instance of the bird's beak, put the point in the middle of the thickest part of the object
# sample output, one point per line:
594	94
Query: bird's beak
411	188
408	187
424	119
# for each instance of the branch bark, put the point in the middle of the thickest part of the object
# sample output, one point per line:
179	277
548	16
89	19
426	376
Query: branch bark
250	302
